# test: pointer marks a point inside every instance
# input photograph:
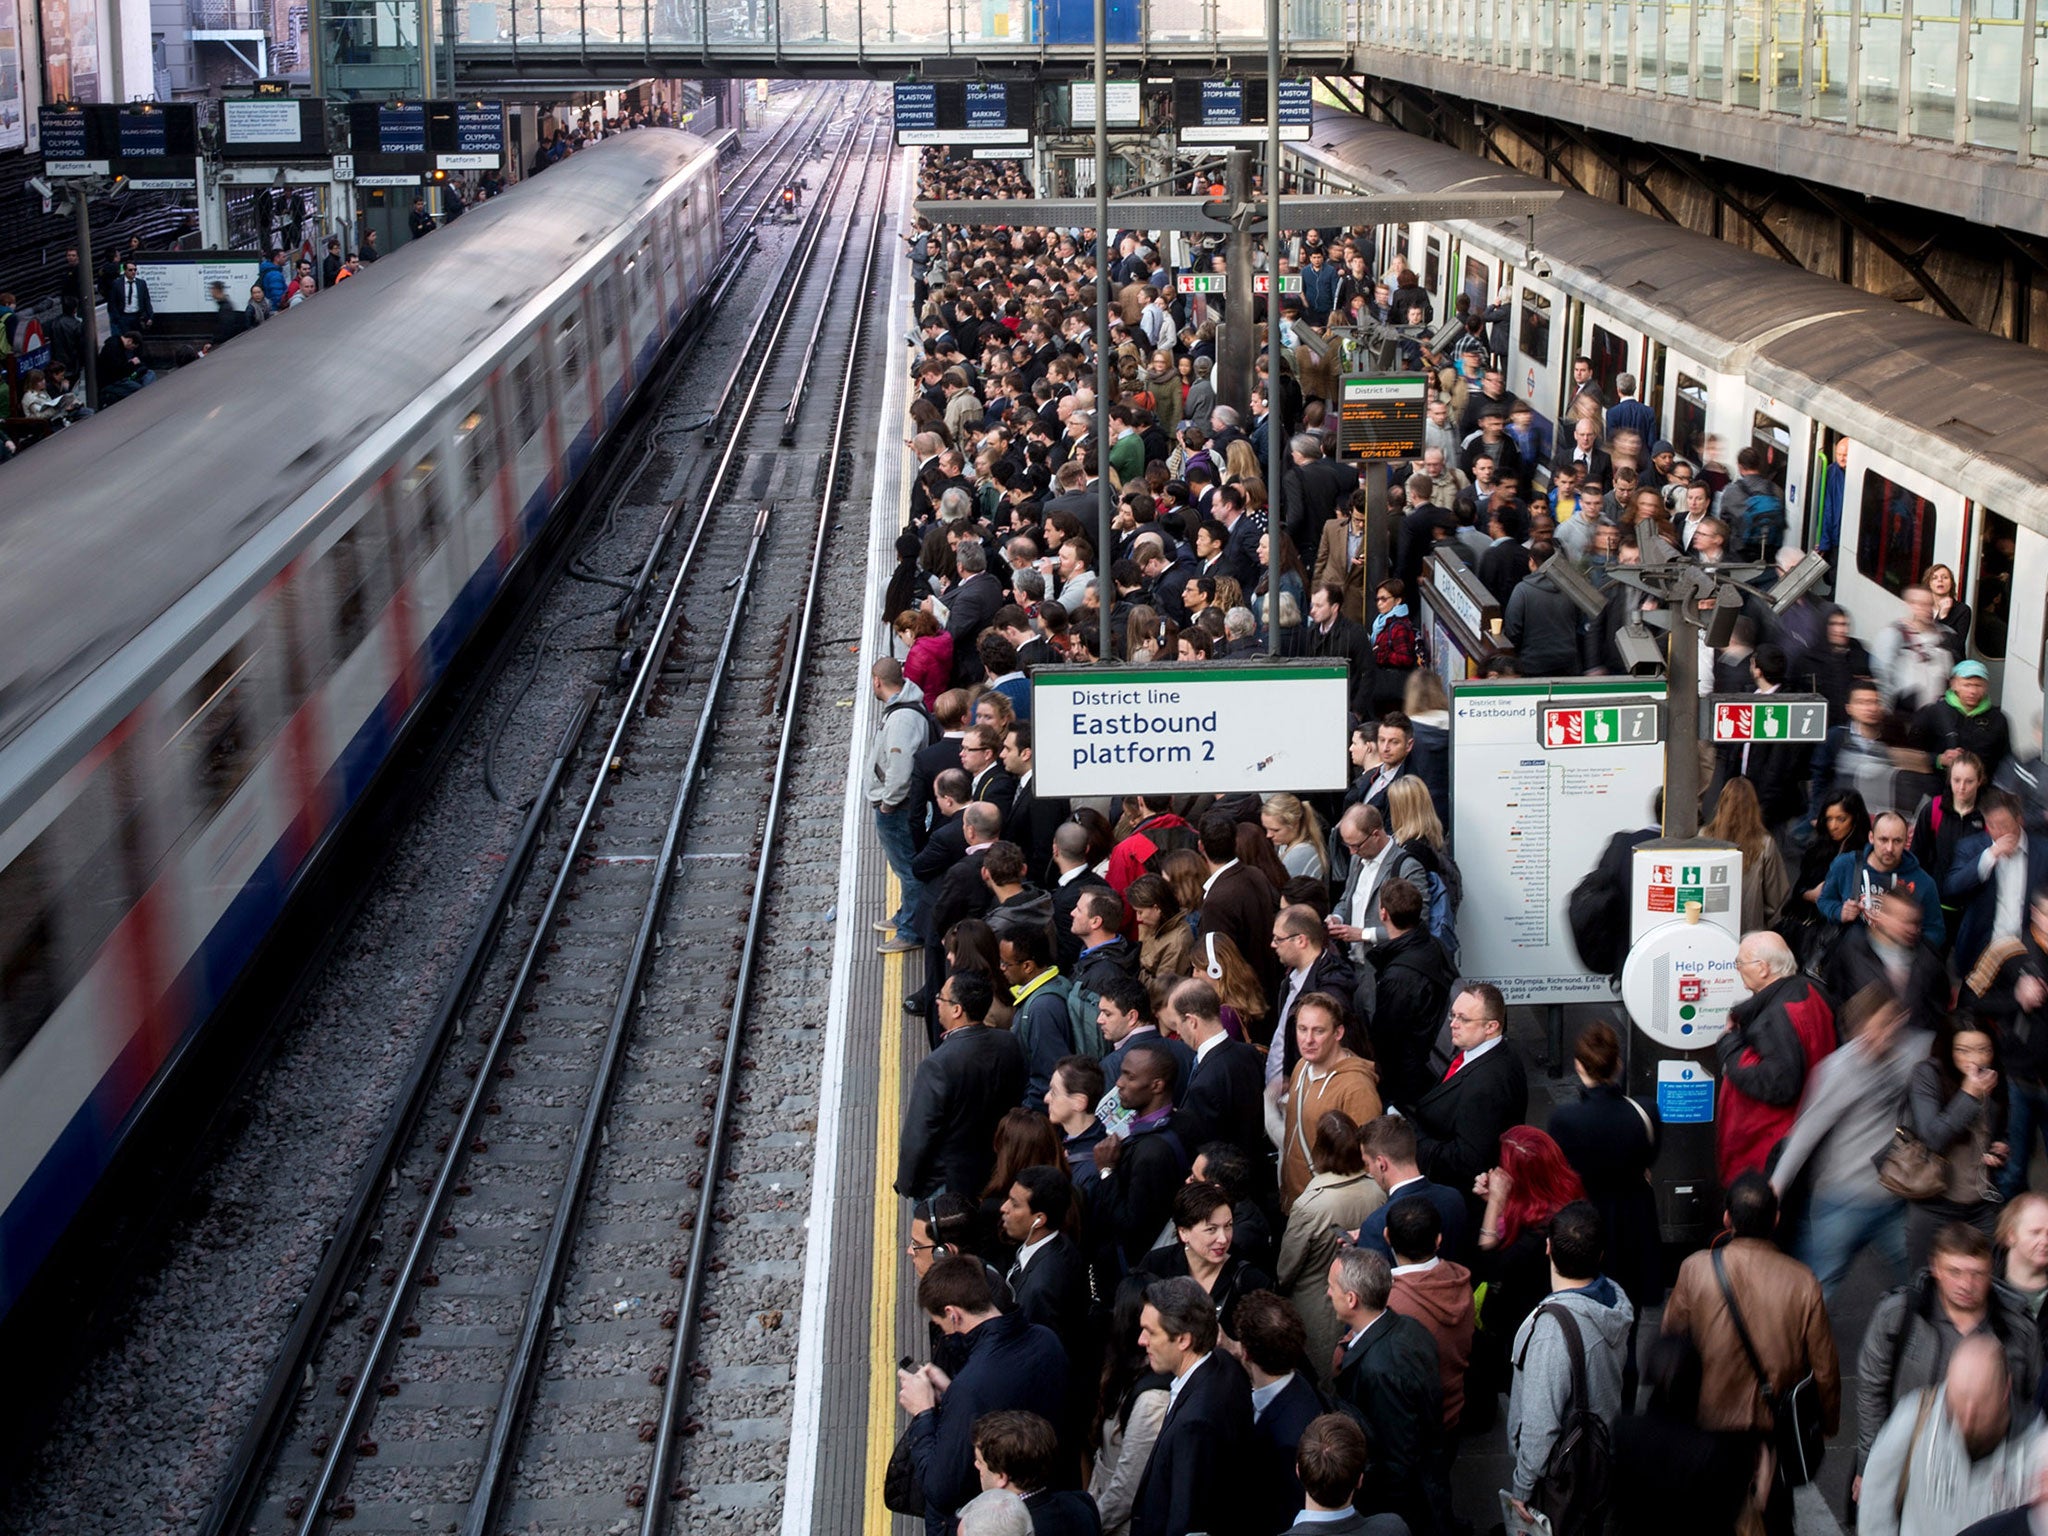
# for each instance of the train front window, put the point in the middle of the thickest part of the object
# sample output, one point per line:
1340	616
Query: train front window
1532	338
28	951
1993	592
1895	542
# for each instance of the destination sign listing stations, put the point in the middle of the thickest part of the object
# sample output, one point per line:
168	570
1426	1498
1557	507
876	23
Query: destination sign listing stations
1605	726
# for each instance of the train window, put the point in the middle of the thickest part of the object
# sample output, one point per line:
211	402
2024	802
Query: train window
217	734
1773	442
28	951
1653	386
1993	593
96	860
607	313
1610	360
422	501
569	349
1533	342
357	570
1689	417
527	396
1474	286
1432	263
473	452
1896	540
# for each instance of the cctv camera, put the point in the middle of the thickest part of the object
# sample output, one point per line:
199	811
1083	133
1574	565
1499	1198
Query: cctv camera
1540	267
40	187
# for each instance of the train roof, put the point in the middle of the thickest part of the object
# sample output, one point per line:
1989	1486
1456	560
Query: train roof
109	523
1956	403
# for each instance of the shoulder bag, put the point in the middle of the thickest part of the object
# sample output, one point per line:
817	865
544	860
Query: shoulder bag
1797	1436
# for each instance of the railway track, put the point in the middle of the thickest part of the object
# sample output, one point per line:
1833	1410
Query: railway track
529	1308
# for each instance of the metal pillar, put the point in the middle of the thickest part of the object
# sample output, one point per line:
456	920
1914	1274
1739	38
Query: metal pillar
1276	443
1682	724
1234	342
88	299
1105	545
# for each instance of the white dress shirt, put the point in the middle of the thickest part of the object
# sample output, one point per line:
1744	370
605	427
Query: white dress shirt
1262	1397
1173	1391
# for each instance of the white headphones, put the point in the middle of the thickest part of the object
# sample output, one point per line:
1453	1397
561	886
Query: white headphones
1215	965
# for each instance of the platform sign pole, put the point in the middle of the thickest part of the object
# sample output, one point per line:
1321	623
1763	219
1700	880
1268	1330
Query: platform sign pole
88	300
1682	733
1276	426
1105	545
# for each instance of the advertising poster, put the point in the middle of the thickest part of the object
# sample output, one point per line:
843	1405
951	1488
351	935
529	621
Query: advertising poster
71	50
13	111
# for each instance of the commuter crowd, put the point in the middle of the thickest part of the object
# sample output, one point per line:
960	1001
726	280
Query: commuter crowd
1226	1208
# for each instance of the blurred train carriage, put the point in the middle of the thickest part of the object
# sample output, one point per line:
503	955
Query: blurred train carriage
226	601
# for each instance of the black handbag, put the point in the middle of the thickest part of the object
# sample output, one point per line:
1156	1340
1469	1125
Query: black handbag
900	1493
1797	1436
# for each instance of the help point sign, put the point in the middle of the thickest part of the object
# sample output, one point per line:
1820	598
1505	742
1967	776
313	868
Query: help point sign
1207	728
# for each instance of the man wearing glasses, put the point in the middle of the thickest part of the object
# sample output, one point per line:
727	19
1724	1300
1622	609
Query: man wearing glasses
972	1078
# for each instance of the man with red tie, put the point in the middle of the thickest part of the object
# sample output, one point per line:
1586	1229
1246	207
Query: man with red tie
1484	1091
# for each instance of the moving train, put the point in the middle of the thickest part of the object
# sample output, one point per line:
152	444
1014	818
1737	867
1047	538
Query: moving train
1946	456
227	599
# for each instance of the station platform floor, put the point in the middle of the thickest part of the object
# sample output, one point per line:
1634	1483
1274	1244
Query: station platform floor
859	1315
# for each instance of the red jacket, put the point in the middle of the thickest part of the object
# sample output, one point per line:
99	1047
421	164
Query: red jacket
1128	859
930	664
1775	1038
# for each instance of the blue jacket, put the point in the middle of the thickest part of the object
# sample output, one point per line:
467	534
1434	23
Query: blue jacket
1319	288
1965	887
271	275
1845	884
1010	1364
1044	1026
1633	416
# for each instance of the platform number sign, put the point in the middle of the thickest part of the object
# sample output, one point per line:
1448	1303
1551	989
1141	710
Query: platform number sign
1612	725
1800	722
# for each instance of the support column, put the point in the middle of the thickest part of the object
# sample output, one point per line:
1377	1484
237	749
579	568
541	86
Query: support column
1236	365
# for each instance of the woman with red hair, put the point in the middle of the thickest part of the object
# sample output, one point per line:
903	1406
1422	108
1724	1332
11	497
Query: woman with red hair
1531	1184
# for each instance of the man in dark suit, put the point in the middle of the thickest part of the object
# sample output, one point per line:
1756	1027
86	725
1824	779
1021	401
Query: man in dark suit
1330	1464
949	712
1140	1170
946	844
1195	1479
1028	821
1284	1403
1225	1099
1388	1143
1506	560
1010	1364
1049	1277
981	749
1994	877
1329	636
970	605
1237	901
1021	1452
961	892
1167	571
1069	876
1485	1091
1387	1374
972	1078
129	307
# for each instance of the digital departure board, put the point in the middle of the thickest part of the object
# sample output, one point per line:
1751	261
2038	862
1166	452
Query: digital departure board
1381	416
154	145
949	112
1234	111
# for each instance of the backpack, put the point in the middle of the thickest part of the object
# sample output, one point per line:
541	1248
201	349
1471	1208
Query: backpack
1762	525
931	726
1084	1021
1164	840
1442	893
1597	911
1575	1488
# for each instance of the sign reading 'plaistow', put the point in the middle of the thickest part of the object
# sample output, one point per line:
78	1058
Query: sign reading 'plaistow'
1209	728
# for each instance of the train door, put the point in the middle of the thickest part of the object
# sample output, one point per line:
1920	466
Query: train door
1536	338
532	456
1783	439
1895	524
577	374
2009	625
1438	268
1614	348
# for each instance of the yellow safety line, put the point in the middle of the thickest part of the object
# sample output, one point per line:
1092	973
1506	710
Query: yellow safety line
886	1272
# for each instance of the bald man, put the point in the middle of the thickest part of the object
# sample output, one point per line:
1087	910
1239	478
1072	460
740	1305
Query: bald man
1776	1036
1969	1453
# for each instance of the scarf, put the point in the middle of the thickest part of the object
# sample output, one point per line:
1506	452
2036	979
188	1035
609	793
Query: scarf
1399	611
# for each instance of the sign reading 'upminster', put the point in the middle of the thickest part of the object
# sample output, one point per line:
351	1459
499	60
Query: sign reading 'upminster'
1214	727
